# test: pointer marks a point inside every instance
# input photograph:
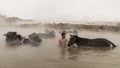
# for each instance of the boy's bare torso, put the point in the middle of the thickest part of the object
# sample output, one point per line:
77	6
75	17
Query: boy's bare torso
62	42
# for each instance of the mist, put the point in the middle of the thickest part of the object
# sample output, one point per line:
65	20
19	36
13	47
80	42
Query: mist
62	10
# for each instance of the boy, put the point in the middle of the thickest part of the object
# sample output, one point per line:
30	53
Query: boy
63	40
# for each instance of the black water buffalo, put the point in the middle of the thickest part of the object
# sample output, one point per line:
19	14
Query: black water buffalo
34	37
48	34
98	42
12	38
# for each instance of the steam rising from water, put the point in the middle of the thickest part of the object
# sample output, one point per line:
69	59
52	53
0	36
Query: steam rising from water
48	54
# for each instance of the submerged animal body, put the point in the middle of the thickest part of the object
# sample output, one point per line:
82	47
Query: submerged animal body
98	42
12	38
50	34
34	37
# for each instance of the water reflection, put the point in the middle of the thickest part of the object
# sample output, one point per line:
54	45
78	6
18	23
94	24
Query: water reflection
78	52
12	46
73	53
18	46
63	52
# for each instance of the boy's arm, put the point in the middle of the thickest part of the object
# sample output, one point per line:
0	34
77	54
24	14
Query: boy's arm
59	42
66	41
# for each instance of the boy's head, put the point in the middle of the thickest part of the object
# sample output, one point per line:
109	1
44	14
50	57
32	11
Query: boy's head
63	34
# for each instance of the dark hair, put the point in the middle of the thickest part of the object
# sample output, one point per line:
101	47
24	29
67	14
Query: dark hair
63	33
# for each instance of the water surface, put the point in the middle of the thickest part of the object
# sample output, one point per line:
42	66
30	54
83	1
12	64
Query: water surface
49	55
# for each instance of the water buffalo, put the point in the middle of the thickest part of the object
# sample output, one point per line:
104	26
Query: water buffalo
48	34
98	42
34	37
12	38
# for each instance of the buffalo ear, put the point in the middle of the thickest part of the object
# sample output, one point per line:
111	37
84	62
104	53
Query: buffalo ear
4	34
71	35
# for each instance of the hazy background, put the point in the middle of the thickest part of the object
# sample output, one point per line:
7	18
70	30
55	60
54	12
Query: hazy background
48	54
62	10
